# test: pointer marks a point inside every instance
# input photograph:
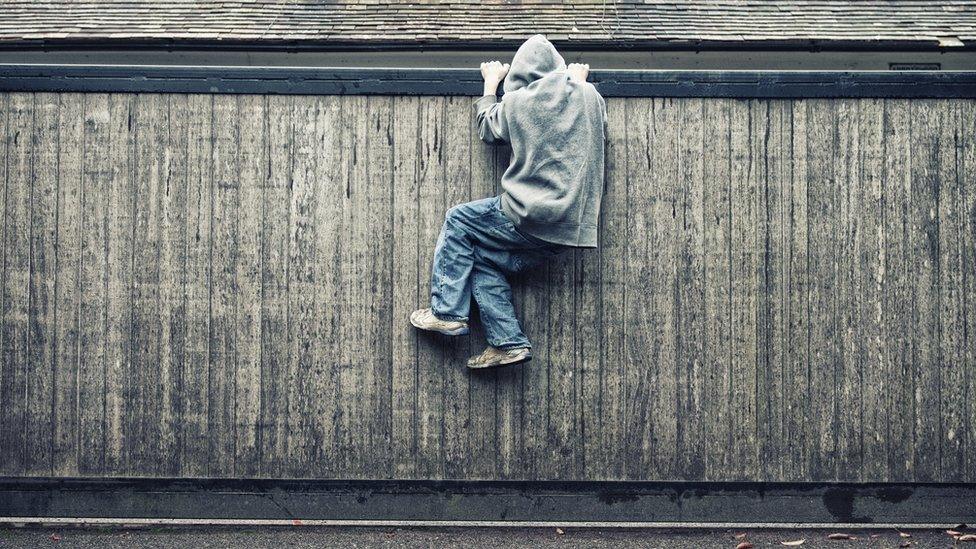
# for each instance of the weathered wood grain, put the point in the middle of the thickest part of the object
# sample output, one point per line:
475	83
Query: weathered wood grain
967	209
455	188
253	173
407	276
951	365
64	398
851	224
219	285
431	348
796	281
898	291
748	130
41	336
275	359
119	310
773	246
870	259
603	390
690	291
92	285
192	386
824	247
16	279
303	316
716	206
926	126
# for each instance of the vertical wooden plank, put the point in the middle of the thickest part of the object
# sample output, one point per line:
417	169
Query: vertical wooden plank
602	273
406	283
456	188
41	338
716	174
690	294
492	413
796	371
224	304
430	381
967	132
773	301
118	254
380	320
193	386
369	208
302	258
93	281
926	127
65	417
330	174
275	360
355	380
823	249
16	281
897	307
851	223
564	424
4	152
748	121
172	276
253	168
651	278
641	353
144	376
872	349
951	363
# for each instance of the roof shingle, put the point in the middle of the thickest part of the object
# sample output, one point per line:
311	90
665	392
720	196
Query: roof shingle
491	21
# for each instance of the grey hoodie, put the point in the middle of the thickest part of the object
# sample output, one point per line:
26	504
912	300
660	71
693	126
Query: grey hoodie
557	129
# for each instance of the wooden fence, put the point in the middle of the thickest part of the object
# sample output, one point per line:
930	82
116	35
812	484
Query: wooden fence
219	285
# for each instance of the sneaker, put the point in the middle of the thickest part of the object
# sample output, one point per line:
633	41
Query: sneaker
425	320
493	357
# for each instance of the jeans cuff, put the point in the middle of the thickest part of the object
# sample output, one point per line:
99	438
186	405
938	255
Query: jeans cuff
451	318
504	346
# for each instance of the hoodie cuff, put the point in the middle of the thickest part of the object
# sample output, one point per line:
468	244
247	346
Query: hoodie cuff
485	102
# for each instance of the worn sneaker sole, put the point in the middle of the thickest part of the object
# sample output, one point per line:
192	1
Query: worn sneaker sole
511	362
458	332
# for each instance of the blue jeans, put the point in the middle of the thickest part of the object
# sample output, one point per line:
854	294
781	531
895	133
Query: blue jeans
478	246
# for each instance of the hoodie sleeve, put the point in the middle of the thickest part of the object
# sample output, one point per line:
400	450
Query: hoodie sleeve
492	127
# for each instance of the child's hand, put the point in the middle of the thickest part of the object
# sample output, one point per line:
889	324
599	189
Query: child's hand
494	71
578	71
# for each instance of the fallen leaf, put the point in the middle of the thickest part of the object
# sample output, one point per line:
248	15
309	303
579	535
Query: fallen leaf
560	531
904	534
967	537
55	537
873	536
793	543
740	536
744	545
840	536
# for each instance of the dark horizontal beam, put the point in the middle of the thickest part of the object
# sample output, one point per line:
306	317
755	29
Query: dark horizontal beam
512	501
375	81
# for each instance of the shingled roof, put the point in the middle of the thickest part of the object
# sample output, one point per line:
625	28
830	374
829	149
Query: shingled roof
826	23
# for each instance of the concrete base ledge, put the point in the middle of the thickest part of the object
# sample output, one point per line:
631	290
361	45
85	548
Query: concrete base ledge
438	503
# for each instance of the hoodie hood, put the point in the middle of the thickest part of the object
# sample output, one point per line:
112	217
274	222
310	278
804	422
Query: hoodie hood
536	58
